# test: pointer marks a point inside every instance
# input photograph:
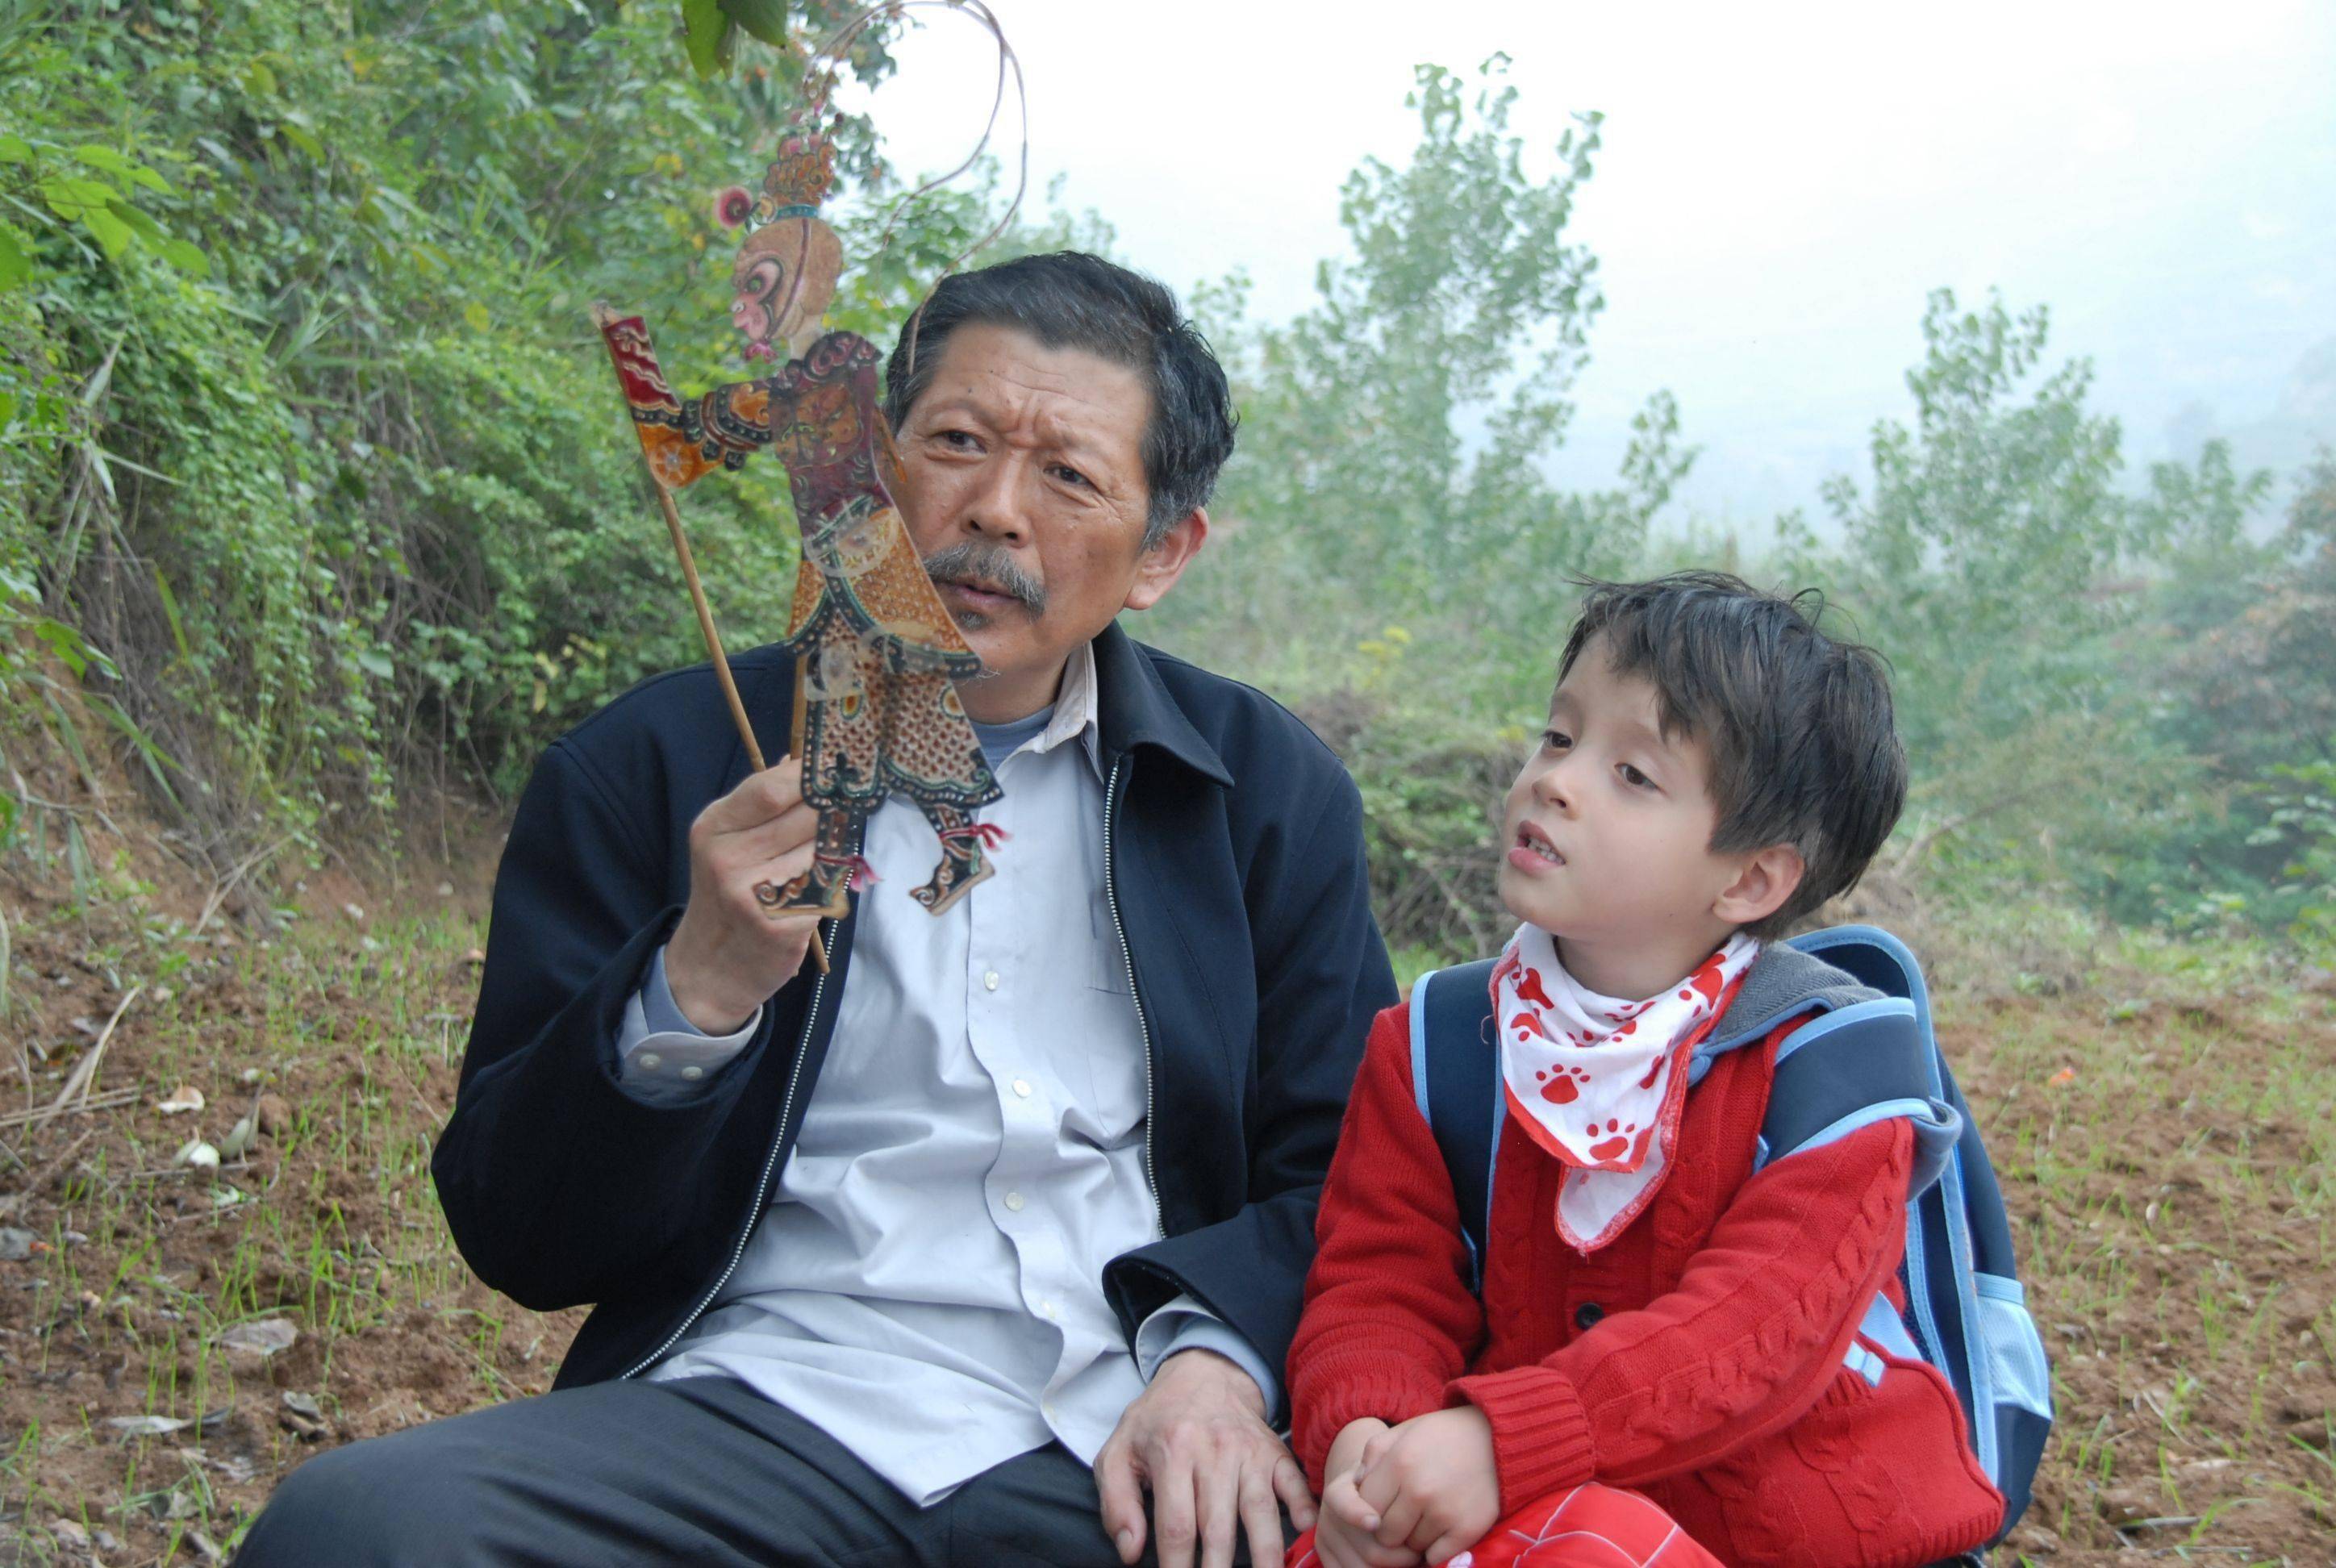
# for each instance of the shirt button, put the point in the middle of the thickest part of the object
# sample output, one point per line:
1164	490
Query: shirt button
650	1060
989	981
1053	1312
1046	1409
1013	1201
693	1072
1022	1088
1586	1316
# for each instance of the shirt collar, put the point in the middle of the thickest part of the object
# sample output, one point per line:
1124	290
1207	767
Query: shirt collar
1074	711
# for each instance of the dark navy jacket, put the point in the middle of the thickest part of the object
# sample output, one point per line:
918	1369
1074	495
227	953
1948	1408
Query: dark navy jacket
1234	864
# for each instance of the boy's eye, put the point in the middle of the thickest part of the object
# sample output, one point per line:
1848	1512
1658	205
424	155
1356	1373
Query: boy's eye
1636	779
1556	740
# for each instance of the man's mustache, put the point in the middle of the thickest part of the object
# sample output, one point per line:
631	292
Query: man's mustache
990	567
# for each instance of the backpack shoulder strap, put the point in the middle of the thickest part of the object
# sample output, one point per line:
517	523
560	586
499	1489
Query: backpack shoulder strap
1853	1065
1846	1069
1455	1077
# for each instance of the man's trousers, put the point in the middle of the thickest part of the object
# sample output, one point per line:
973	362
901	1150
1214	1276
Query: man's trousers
701	1470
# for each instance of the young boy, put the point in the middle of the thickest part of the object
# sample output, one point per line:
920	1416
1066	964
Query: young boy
1655	1370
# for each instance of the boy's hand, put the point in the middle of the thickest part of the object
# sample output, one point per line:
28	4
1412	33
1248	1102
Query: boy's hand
1433	1482
1342	1530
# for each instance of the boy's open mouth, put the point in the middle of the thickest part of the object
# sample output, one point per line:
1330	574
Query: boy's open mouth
1533	842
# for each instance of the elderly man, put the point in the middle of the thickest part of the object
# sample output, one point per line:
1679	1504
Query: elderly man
953	1253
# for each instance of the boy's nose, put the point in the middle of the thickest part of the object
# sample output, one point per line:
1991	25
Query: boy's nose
1553	789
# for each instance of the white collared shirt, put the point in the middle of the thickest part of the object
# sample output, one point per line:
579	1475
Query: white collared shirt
927	1284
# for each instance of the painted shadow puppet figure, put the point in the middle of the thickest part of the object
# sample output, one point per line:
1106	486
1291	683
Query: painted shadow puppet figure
877	709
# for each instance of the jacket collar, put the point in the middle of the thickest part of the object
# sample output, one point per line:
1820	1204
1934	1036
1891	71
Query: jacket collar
1134	709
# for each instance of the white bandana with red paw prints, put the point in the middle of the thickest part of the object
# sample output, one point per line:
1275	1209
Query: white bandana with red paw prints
1599	1083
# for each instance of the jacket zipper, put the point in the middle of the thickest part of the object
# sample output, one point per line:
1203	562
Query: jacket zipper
1127	954
762	1188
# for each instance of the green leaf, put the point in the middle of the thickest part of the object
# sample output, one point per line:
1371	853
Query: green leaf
476	315
258	79
766	19
187	257
97	155
705	27
141	223
7	408
70	198
14	150
171	610
14	265
113	236
64	642
300	136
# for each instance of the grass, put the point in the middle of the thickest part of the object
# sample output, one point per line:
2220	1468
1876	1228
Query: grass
2164	1130
2162	1114
141	1267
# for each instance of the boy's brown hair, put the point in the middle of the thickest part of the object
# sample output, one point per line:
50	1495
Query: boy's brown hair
1798	725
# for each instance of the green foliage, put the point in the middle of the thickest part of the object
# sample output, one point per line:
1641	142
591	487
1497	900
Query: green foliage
713	29
312	479
1979	557
2101	691
303	422
1394	436
2244	682
1391	555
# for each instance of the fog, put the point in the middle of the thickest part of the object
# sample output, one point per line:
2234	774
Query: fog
1780	187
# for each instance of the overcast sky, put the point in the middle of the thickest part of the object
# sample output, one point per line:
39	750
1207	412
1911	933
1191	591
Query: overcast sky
1780	187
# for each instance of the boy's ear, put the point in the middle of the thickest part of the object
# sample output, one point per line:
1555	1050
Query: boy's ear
1763	880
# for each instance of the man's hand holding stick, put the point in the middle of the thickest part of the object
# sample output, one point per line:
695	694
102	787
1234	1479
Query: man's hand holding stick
732	951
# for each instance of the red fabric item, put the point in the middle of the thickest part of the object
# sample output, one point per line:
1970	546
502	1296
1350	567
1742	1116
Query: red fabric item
1584	1526
1697	1359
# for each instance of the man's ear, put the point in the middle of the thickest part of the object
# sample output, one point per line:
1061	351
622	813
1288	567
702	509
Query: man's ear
1157	568
1763	880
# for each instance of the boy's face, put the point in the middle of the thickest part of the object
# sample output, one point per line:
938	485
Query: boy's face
1607	837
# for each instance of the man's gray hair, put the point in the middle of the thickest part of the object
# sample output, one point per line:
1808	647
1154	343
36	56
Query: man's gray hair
1070	300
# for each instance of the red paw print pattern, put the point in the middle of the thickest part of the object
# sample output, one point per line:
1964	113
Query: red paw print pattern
1618	1140
1561	1087
1529	989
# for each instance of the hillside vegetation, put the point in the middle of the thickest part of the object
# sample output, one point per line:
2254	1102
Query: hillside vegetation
319	518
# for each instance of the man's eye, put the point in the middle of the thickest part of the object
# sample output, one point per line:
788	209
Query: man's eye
1556	740
1069	475
960	439
1636	779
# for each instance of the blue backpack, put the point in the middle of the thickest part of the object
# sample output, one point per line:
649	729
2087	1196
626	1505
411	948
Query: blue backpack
1867	1055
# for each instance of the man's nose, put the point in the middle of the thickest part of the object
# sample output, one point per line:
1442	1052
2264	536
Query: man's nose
998	510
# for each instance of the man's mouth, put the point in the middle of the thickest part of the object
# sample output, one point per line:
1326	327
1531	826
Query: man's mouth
1531	843
980	596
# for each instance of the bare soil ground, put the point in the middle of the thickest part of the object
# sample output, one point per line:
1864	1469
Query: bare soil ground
2164	1124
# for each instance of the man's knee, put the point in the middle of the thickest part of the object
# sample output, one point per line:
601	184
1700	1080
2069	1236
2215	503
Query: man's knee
375	1502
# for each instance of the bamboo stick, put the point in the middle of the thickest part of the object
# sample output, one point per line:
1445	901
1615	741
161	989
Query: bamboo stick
722	662
706	627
